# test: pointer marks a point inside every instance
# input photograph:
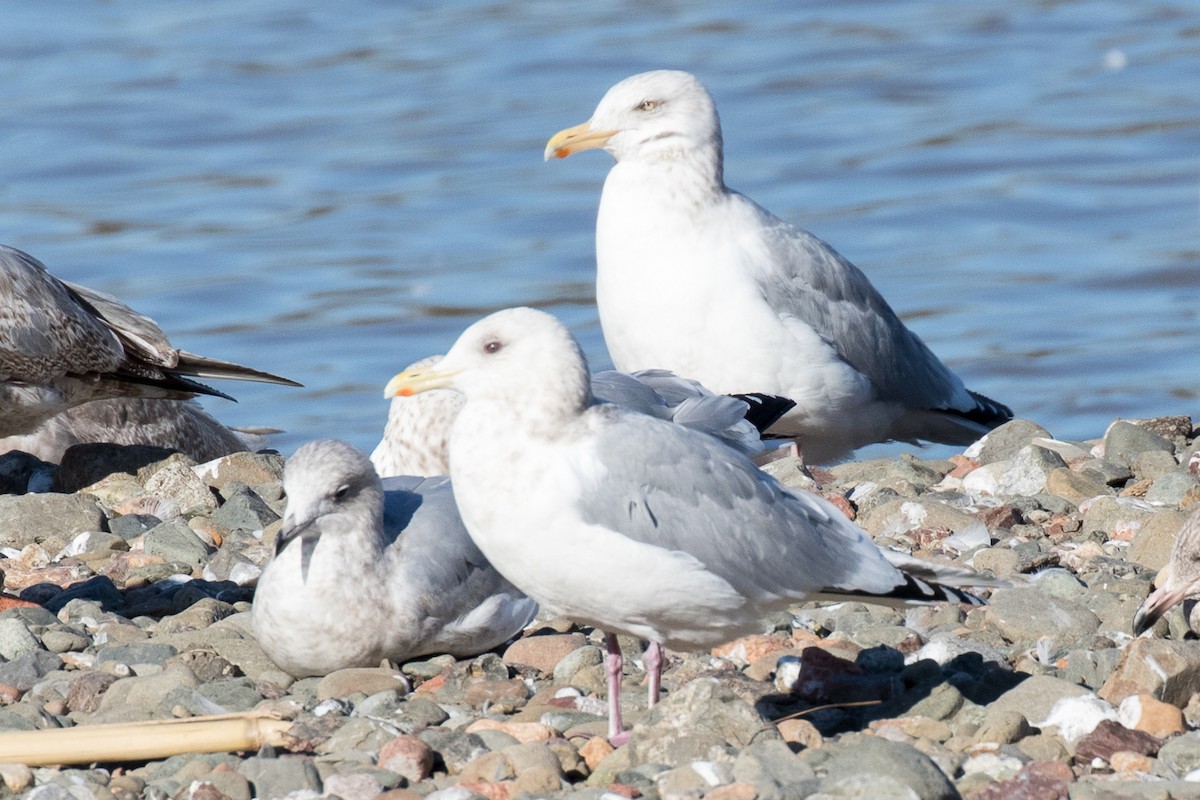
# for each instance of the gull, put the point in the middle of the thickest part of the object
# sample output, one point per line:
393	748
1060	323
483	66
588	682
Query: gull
366	570
696	278
1182	576
630	524
62	344
418	428
173	424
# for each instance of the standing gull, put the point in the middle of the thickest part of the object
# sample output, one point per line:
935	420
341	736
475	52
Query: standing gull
630	524
417	433
365	570
62	344
696	278
1182	576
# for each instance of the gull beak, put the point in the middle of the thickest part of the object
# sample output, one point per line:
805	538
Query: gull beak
574	140
307	534
415	381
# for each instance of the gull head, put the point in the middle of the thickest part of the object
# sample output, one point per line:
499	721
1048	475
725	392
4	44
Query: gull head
520	357
325	481
650	116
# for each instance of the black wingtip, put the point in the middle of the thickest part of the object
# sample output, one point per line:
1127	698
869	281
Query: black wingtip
914	590
987	412
764	410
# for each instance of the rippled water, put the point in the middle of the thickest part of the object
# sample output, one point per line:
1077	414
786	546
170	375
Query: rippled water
331	191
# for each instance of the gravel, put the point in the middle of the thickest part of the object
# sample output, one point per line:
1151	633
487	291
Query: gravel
138	580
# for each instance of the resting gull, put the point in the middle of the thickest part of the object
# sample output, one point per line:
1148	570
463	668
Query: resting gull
696	278
366	570
62	344
629	524
1182	577
418	428
174	424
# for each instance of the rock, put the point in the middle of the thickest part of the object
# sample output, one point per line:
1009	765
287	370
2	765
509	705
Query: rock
137	654
524	732
407	756
543	652
15	639
1039	780
576	661
1145	713
244	511
175	541
696	720
249	469
1168	670
278	777
1110	737
17	777
1026	614
87	689
875	767
1035	696
352	786
1151	546
24	671
1124	441
29	518
138	697
904	515
1073	486
20	470
367	680
1179	756
178	481
456	749
1150	464
1175	488
1004	442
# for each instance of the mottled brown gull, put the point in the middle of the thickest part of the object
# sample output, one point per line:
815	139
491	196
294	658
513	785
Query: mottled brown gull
62	344
633	525
696	278
418	427
366	570
1182	578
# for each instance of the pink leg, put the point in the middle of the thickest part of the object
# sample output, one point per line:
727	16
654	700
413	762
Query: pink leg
617	735
653	660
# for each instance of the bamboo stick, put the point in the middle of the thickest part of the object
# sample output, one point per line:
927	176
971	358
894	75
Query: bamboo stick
141	741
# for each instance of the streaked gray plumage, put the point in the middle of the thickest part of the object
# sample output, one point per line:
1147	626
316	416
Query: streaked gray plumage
1182	578
62	344
696	278
418	428
618	520
173	424
366	570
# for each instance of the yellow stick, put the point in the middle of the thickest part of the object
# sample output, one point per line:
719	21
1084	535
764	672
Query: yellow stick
141	741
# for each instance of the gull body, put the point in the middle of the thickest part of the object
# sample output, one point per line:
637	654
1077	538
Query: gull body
416	437
630	524
366	570
1182	578
62	344
696	278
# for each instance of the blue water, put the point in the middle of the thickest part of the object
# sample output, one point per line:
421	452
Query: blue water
331	191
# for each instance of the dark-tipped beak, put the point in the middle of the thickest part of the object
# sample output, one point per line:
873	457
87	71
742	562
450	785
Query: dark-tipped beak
307	534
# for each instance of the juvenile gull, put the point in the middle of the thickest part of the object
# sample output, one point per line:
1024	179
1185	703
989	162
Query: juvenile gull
62	344
418	428
1182	576
366	570
174	424
630	524
696	278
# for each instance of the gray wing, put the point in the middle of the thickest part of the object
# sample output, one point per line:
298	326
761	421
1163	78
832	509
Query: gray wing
670	487
818	286
663	394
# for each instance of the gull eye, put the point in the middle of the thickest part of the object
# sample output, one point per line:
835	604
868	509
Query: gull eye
646	105
341	492
492	346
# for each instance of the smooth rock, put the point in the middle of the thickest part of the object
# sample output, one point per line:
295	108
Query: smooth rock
1005	441
1124	441
367	680
29	518
1168	670
691	723
407	756
1039	780
15	639
1110	737
543	652
175	541
1144	712
869	761
1025	614
279	777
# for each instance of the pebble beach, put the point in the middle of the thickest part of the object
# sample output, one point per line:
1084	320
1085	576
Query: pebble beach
129	576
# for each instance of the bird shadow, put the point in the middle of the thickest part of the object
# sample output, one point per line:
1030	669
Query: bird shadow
837	695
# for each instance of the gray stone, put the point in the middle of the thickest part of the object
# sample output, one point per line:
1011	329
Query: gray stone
1026	615
1004	442
1151	546
29	518
573	662
1179	756
65	640
1124	441
131	526
179	482
456	749
1171	488
417	712
136	654
1150	464
357	735
1035	696
248	469
278	777
138	697
907	514
27	669
15	639
773	769
869	766
232	694
1112	515
85	464
381	704
175	541
695	721
244	510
